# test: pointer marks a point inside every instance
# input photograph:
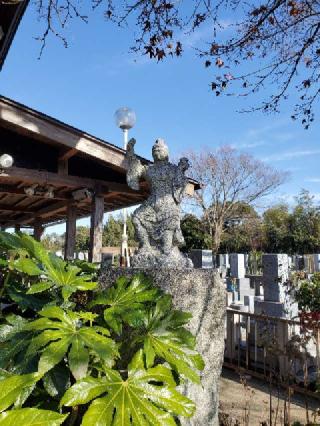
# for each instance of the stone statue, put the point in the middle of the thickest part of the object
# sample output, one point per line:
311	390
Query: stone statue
157	220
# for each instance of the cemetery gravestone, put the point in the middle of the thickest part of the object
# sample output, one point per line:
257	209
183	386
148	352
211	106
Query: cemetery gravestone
237	266
201	258
277	302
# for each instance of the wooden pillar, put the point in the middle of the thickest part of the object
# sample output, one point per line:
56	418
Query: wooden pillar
38	230
70	242
63	167
96	229
17	228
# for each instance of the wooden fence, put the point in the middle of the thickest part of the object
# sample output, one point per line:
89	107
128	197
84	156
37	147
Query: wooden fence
276	349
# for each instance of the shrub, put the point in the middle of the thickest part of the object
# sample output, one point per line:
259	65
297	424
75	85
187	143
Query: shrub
70	354
307	295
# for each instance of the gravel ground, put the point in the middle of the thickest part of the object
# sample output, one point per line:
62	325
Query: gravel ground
234	396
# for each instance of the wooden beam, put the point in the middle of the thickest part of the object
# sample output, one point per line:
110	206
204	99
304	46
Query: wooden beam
63	167
40	177
68	153
70	239
96	229
11	208
8	189
41	213
38	229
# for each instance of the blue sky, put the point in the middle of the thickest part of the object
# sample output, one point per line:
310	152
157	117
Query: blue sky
84	85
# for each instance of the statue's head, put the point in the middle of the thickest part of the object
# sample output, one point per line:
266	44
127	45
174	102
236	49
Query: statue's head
160	151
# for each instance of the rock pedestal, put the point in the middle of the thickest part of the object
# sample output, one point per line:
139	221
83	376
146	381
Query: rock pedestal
201	292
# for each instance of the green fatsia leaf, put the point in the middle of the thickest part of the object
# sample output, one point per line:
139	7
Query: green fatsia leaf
14	387
57	381
166	338
4	374
14	341
14	325
63	334
70	278
34	248
126	301
53	354
32	417
39	288
36	260
147	397
3	263
10	241
25	265
78	358
26	301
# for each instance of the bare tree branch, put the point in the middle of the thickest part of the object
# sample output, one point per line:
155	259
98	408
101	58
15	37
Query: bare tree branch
278	40
229	178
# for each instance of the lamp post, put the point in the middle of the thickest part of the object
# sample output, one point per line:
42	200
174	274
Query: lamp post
125	119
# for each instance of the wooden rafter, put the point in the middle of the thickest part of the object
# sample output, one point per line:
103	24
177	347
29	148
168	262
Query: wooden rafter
9	189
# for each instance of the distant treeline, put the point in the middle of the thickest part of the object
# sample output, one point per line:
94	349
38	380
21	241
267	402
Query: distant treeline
279	229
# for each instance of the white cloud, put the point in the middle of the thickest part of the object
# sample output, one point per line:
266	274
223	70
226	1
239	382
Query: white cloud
266	135
291	154
248	145
312	180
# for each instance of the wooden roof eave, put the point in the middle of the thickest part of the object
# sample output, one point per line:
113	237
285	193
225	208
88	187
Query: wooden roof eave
39	126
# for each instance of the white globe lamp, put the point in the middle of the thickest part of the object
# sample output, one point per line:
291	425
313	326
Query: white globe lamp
125	119
6	161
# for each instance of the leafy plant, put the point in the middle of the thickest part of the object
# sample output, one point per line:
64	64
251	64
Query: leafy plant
307	295
145	397
32	417
115	360
125	301
62	330
165	337
28	257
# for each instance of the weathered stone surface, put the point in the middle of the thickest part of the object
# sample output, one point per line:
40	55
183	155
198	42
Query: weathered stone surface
275	275
237	265
201	292
201	258
277	301
157	220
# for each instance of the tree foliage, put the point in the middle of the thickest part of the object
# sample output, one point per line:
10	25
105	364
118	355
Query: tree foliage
279	229
113	230
194	233
82	238
118	361
250	45
53	242
296	231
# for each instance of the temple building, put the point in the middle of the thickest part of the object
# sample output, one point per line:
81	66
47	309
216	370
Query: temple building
59	173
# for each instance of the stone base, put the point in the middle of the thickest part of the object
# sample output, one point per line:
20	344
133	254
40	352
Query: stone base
175	259
201	292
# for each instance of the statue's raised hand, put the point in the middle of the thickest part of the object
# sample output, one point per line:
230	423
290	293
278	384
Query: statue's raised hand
130	146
